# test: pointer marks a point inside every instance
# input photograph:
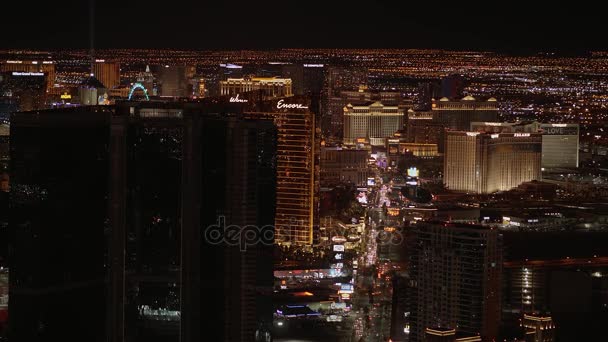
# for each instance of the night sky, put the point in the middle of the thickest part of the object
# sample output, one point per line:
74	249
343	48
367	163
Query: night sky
293	23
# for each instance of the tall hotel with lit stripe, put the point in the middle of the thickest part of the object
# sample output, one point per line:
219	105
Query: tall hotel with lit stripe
297	167
107	73
484	162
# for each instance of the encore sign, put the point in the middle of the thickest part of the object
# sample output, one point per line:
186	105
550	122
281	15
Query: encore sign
281	104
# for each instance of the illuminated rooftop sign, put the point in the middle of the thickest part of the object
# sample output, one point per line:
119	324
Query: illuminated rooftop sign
282	105
230	66
18	73
238	99
413	172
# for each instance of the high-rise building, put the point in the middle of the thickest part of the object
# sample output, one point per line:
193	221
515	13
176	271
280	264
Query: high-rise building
452	86
295	72
400	314
139	203
560	145
174	80
361	96
4	290
201	89
8	105
314	78
422	129
4	155
372	120
58	216
557	277
345	165
338	79
458	115
107	73
342	78
314	82
427	91
47	67
271	87
485	163
26	89
455	272
306	79
538	328
560	141
297	167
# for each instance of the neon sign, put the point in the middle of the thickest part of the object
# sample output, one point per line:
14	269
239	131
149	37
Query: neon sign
139	86
237	99
281	104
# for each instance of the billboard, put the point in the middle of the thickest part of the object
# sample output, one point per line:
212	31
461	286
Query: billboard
347	288
413	172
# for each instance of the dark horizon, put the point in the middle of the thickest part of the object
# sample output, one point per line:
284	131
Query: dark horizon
244	25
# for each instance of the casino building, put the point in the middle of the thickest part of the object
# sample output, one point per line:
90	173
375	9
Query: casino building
560	140
480	162
373	120
271	87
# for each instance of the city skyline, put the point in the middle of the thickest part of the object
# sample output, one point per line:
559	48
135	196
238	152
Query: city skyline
303	171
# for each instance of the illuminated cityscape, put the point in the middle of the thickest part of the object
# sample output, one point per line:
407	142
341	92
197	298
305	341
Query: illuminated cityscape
239	172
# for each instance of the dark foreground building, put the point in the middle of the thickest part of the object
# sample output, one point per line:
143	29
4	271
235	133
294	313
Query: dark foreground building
144	221
455	272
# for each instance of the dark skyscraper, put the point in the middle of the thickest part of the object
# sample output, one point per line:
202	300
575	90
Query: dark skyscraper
174	80
148	183
58	225
458	114
452	86
456	272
